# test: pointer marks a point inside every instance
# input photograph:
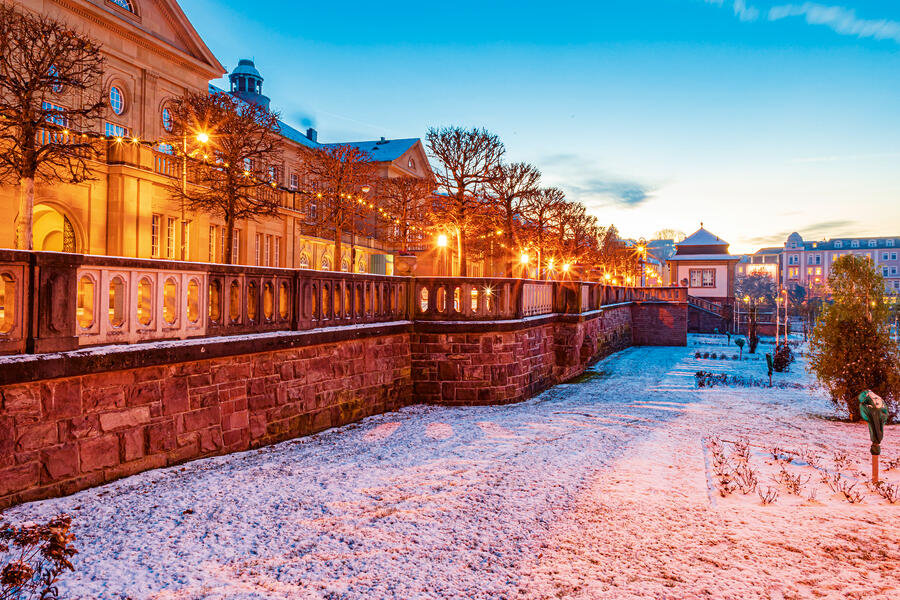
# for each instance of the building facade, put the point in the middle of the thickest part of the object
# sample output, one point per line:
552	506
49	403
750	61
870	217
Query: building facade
703	264
808	263
153	55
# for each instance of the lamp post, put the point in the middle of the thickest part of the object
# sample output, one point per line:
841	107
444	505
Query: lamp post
442	253
642	252
203	138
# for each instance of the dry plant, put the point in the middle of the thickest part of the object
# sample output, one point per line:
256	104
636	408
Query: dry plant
888	491
32	558
769	496
746	478
780	454
793	483
741	450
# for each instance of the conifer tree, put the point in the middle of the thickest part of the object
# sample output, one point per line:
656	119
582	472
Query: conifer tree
850	348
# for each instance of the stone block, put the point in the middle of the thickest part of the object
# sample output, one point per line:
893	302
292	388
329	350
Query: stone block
37	436
15	479
122	419
99	452
175	396
59	462
144	393
202	418
161	437
134	444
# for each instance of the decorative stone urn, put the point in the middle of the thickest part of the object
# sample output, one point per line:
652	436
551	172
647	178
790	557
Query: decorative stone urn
405	265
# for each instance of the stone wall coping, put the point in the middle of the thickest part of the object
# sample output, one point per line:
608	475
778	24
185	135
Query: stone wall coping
22	368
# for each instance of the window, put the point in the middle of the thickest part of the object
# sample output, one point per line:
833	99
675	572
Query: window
116	100
893	271
872	243
702	278
165	148
818	259
884	256
276	262
893	256
411	164
838	244
295	181
124	4
56	114
212	243
274	175
809	259
235	246
258	242
155	222
793	273
54	73
113	130
267	251
170	238
311	210
818	270
885	271
854	243
794	259
167	119
889	243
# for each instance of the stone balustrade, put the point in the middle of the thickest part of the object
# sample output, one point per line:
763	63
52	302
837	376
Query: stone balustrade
55	302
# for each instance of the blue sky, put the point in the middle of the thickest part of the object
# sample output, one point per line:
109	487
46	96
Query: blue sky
757	117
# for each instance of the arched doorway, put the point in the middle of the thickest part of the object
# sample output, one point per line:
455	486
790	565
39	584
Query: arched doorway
53	231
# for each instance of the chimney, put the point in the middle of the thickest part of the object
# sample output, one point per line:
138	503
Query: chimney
312	134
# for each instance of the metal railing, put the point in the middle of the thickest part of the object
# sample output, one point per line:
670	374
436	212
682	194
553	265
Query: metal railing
87	300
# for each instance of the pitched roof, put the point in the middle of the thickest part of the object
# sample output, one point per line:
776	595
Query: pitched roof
382	150
702	237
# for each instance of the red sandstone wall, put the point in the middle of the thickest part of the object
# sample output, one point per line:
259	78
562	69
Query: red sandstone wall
659	324
63	435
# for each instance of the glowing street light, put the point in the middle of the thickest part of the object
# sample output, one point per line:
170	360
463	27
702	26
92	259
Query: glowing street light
442	241
566	269
202	137
524	258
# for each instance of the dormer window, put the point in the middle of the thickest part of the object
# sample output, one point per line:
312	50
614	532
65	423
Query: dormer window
889	243
839	244
411	164
872	243
854	243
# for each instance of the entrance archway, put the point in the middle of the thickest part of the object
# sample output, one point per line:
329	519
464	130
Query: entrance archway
53	231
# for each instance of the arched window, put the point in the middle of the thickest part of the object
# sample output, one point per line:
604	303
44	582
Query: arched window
304	261
167	119
116	100
124	4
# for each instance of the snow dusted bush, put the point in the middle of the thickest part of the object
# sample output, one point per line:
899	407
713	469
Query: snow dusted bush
32	558
783	358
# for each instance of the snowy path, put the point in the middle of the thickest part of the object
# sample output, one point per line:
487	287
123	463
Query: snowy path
595	489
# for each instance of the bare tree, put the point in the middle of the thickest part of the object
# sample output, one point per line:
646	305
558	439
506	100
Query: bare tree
668	233
231	149
466	159
407	200
340	173
511	186
537	214
50	95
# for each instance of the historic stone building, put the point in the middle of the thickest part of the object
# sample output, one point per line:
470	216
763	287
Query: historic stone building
153	55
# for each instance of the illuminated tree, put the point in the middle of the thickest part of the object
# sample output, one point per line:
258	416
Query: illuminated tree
231	149
850	348
537	213
341	174
465	162
50	88
759	286
408	200
511	188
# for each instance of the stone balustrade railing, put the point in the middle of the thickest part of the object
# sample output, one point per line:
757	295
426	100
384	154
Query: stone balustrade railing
56	302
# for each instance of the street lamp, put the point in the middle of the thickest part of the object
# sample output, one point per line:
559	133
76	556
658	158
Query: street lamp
642	254
524	260
202	137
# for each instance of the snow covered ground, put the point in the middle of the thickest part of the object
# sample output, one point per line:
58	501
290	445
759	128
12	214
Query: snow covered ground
604	488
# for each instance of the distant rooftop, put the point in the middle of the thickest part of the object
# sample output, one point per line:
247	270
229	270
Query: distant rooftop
382	150
702	237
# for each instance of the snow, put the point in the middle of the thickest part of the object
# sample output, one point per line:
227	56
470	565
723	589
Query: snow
598	489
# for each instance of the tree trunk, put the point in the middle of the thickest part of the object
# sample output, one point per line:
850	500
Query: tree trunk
510	252
25	218
228	259
461	248
337	248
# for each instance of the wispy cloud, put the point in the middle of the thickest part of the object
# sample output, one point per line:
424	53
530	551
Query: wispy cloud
742	10
813	231
584	182
840	19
